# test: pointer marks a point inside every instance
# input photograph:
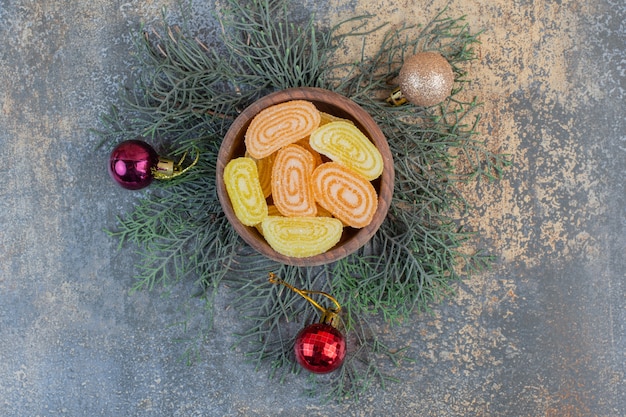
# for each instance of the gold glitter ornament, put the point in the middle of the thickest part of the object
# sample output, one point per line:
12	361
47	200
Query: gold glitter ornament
425	79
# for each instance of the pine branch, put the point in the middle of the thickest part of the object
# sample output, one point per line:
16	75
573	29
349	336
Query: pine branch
185	97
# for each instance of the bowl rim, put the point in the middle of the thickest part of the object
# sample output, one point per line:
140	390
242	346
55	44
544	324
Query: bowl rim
368	126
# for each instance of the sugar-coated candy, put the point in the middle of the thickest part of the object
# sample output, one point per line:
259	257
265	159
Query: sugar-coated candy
301	237
306	145
271	211
241	179
326	118
264	167
344	143
280	125
346	194
291	182
322	212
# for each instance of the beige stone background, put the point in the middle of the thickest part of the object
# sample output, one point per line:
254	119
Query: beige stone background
542	334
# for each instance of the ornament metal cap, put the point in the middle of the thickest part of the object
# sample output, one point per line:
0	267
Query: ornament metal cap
166	168
396	98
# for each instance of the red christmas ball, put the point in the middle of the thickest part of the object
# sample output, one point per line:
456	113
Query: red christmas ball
131	164
320	348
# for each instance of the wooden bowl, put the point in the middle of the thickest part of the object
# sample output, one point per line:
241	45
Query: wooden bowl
337	105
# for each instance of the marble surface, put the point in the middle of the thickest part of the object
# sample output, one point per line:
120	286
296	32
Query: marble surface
542	334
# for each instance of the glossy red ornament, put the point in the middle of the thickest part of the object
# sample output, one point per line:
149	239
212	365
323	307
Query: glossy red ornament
131	164
320	348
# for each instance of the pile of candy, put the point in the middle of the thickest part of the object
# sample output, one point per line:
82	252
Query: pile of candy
305	176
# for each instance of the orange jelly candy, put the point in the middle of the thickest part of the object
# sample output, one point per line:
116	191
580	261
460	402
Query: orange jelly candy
306	145
264	166
241	179
326	118
345	193
291	182
344	143
280	125
301	237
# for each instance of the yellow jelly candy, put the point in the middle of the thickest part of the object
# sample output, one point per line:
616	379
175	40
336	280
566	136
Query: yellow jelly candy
301	237
241	179
271	211
344	143
280	125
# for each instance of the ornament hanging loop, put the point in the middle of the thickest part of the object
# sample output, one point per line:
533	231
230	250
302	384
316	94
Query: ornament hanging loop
329	315
166	168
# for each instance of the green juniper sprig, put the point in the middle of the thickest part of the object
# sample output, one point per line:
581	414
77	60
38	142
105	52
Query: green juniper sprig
186	96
